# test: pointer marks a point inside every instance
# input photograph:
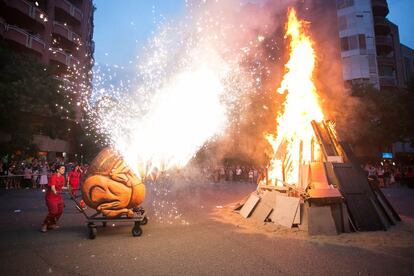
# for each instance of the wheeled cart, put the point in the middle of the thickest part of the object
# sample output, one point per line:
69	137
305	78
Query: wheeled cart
138	219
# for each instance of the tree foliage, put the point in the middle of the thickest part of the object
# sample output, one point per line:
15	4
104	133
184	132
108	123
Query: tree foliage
30	102
385	116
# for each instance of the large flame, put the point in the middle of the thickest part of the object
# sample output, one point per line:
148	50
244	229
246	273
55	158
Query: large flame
293	145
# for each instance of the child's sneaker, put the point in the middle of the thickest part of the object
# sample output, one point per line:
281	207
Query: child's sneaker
43	229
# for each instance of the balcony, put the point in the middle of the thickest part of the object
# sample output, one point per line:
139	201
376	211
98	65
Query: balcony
65	81
73	62
387	81
27	9
380	8
36	44
69	9
385	60
65	32
384	44
381	26
63	58
23	38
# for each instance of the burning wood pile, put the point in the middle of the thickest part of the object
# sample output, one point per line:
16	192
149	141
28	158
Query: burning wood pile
313	180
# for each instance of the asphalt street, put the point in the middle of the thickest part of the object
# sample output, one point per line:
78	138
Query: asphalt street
187	242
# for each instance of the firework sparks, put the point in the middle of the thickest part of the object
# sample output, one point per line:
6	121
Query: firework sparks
187	79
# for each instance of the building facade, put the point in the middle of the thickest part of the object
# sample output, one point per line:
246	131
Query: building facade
408	63
370	44
57	32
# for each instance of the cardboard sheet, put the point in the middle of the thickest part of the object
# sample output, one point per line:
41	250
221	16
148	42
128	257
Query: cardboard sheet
248	207
285	210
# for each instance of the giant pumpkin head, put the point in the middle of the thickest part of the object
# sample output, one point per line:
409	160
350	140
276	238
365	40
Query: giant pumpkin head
111	187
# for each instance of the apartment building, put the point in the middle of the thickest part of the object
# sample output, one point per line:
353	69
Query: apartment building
370	44
58	33
408	62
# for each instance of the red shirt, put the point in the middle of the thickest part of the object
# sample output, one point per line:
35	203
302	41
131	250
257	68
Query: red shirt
74	178
58	182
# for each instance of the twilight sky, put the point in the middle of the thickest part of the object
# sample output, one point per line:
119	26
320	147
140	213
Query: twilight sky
122	27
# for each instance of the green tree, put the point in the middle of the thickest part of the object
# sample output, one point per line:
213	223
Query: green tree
407	105
30	101
384	117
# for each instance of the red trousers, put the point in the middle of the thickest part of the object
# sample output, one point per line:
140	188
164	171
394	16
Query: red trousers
75	187
55	211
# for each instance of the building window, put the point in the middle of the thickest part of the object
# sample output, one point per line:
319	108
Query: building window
353	42
342	23
341	4
344	44
386	71
408	70
362	41
372	64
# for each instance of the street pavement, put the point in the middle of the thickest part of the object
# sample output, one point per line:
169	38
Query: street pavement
191	244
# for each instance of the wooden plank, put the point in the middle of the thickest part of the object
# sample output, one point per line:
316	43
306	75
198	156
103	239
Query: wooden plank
261	212
345	219
324	193
366	213
336	210
335	159
382	215
304	209
248	207
304	176
318	176
240	204
387	210
324	139
350	180
363	213
384	201
269	197
296	220
321	221
285	210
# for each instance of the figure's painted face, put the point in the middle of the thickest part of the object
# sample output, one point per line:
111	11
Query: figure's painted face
111	187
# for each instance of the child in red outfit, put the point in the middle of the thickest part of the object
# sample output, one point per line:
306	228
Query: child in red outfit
54	200
74	179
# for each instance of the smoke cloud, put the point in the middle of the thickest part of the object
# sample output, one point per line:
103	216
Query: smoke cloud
207	84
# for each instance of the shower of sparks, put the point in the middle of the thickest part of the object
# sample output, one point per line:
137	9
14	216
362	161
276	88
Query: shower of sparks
189	86
164	205
187	81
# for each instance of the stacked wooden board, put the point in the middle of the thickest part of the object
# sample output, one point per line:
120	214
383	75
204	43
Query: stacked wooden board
272	206
338	196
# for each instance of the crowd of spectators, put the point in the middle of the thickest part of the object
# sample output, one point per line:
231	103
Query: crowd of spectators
389	173
32	173
233	173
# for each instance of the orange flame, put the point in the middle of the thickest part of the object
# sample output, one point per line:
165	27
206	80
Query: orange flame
294	144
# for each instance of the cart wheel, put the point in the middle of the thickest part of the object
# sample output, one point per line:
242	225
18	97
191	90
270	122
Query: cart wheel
104	224
144	221
136	230
92	231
